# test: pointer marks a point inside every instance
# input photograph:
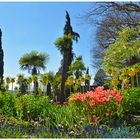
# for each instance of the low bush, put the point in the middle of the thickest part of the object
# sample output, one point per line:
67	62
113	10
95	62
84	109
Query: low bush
131	100
31	106
7	103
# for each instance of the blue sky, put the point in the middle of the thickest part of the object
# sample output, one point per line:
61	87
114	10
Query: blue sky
28	26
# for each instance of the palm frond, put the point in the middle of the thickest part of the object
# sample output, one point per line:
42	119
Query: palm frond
29	60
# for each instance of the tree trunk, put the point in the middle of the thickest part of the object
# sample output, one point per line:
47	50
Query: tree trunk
64	75
67	59
1	60
34	72
49	90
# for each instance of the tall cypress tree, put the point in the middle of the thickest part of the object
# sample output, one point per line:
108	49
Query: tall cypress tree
67	53
1	60
65	46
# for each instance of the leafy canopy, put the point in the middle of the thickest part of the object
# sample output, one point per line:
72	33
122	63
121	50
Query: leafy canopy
123	49
29	60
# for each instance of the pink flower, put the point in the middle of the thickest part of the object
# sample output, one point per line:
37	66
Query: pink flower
94	119
91	104
115	93
98	89
107	98
118	98
82	98
107	114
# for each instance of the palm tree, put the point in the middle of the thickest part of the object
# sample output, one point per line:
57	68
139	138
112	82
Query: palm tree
8	81
64	44
12	81
51	78
22	84
44	81
29	81
34	62
35	80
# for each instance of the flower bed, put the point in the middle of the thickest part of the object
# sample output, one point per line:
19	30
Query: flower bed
95	114
99	103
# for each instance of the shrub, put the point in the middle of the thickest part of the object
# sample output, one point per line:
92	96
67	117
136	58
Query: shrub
131	100
7	103
31	106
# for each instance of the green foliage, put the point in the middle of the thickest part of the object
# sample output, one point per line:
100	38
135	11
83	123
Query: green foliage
40	119
31	106
57	83
122	57
60	43
28	60
77	67
7	104
131	100
23	107
50	76
126	46
67	116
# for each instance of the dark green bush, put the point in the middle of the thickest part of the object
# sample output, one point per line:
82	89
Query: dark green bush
131	100
7	104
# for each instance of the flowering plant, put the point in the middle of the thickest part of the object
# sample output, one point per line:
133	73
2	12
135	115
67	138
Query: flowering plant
99	103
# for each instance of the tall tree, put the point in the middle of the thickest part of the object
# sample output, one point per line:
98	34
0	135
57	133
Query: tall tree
109	18
99	79
33	62
1	60
64	44
122	57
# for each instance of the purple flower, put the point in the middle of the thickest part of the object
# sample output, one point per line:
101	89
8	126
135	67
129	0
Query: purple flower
96	135
136	130
129	135
122	136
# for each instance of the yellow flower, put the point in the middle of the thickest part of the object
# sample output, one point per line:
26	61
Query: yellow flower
109	71
113	73
29	80
20	78
35	78
82	80
15	88
88	77
135	70
131	73
78	82
12	80
70	81
115	82
126	81
45	78
8	80
71	78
